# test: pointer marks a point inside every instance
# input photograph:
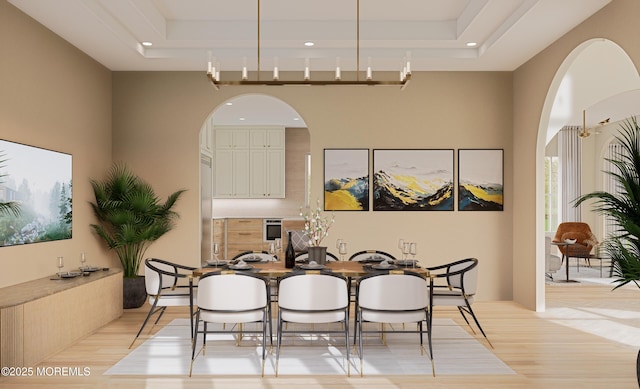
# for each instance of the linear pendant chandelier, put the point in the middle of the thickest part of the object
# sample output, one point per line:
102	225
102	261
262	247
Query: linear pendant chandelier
405	73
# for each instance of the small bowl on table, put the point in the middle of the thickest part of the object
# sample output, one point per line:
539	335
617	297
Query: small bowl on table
570	241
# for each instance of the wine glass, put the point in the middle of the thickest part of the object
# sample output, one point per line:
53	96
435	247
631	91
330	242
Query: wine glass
406	247
342	249
413	248
401	244
278	242
60	265
215	251
272	249
83	260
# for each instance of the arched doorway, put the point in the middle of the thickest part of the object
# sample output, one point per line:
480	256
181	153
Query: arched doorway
247	111
593	74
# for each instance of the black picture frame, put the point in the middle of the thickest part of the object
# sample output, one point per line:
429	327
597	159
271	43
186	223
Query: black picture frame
346	179
413	180
481	179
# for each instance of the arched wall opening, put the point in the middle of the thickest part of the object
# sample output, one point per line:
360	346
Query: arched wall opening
252	111
595	74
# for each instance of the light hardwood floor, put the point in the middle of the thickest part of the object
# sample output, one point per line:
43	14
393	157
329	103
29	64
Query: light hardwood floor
588	338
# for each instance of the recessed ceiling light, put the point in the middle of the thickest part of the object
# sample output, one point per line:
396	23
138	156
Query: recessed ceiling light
241	118
296	119
147	44
228	103
472	44
309	43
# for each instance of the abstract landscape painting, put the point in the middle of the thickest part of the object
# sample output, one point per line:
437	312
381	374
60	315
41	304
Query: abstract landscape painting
346	179
480	180
413	180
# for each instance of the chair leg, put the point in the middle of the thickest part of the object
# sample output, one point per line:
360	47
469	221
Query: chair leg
204	338
429	339
359	327
346	341
239	339
151	312
421	341
278	340
264	338
270	312
193	343
162	309
465	319
477	322
355	327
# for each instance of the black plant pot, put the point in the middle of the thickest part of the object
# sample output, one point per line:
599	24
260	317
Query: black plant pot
134	293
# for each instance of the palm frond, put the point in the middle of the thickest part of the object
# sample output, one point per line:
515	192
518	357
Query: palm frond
131	215
623	208
6	207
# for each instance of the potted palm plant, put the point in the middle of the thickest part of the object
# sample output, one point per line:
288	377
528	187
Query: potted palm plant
131	217
624	209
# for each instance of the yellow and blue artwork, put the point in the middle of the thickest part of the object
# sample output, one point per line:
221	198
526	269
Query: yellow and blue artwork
346	179
480	179
413	180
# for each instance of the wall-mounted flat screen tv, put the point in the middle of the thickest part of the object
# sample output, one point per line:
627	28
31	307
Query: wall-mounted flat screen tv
38	182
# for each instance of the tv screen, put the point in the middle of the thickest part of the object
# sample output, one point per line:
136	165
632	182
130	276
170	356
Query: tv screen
37	183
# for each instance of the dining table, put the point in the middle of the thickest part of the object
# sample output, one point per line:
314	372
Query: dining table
349	269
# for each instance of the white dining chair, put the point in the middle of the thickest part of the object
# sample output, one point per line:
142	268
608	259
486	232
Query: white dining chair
161	282
230	297
461	279
313	297
393	297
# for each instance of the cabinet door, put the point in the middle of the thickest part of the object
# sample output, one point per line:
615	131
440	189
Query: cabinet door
223	179
275	173
265	138
231	138
223	138
241	171
231	173
258	173
275	138
267	173
243	235
241	139
258	139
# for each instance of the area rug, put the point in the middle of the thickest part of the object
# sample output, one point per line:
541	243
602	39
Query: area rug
169	353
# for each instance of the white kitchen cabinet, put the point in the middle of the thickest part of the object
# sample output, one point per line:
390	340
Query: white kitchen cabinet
232	138
267	173
267	138
250	162
232	173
